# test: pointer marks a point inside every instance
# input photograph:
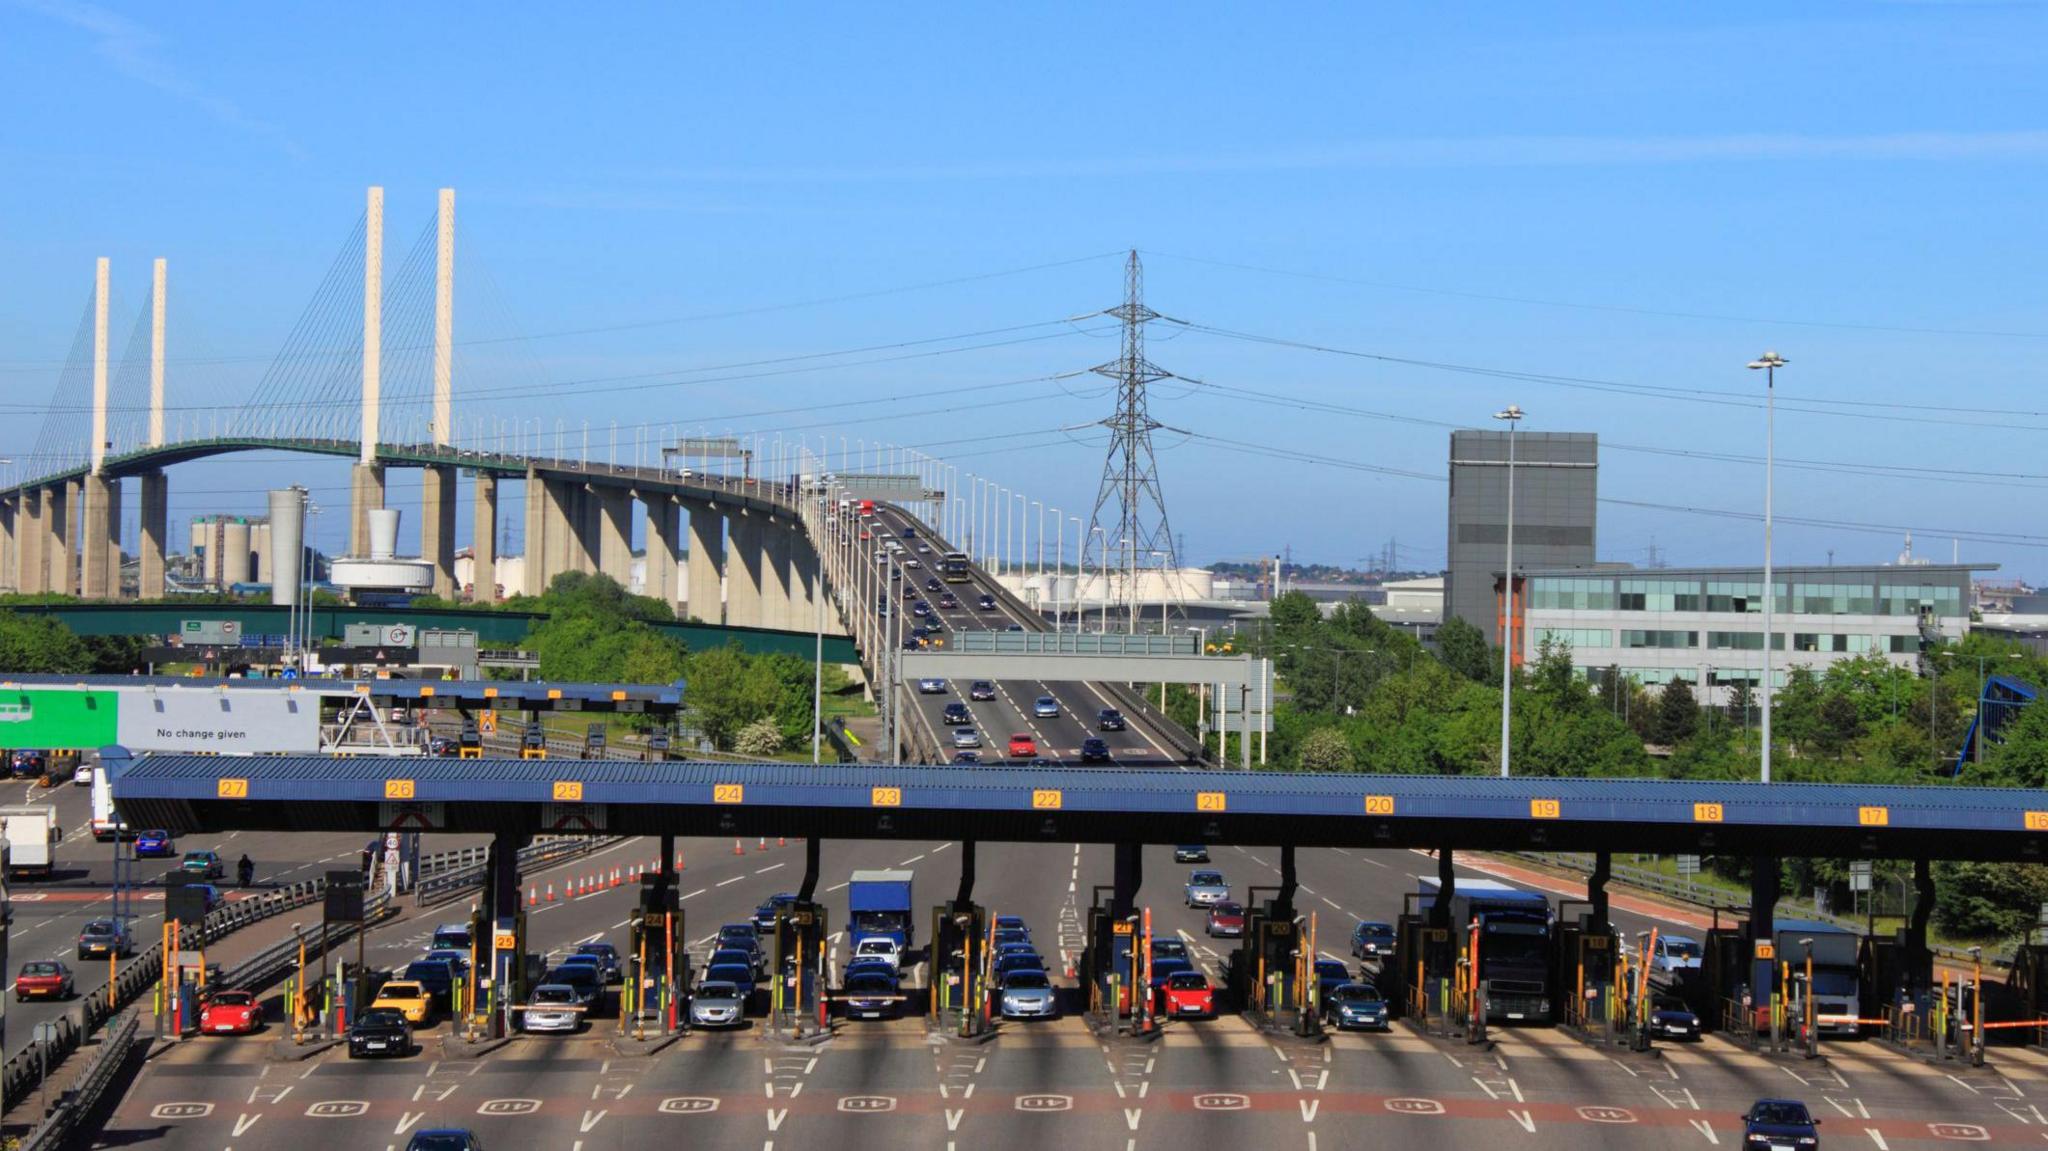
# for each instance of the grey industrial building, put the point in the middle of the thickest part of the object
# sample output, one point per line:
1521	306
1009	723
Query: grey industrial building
1557	493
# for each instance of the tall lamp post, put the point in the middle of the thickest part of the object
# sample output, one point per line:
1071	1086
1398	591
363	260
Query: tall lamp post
1768	363
1513	415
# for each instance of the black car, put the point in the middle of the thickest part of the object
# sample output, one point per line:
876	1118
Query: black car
956	714
1372	940
764	915
1672	1019
932	584
1191	853
1094	750
437	976
985	603
381	1032
981	689
1109	719
1772	1123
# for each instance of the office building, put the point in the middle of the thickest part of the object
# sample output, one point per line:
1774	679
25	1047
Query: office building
1556	507
1705	625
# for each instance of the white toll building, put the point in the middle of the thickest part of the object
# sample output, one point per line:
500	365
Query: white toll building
1706	625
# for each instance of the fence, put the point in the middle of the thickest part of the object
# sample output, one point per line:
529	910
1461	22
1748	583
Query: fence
24	1072
466	869
77	1104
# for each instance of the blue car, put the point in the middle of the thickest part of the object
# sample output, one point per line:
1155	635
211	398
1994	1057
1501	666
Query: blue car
740	975
1780	1123
155	845
445	1139
1012	923
1330	975
1349	1005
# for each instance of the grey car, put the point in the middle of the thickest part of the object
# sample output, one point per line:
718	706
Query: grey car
966	737
718	1004
102	937
1206	888
1046	708
552	1007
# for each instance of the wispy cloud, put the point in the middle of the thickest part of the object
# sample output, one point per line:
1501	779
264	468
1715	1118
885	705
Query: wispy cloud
1452	152
137	52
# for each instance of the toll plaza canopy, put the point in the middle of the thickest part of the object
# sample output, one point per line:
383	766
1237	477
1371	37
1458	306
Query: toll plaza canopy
315	793
503	695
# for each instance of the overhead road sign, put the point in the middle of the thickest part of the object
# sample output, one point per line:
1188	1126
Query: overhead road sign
1074	643
707	448
500	695
1040	804
879	488
1073	668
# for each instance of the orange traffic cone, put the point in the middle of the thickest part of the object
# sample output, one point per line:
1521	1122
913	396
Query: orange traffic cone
764	844
551	893
738	848
679	860
532	897
781	842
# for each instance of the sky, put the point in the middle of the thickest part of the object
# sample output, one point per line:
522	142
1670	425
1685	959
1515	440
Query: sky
1364	225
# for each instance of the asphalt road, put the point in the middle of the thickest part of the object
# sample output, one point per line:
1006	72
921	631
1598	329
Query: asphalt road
1206	1083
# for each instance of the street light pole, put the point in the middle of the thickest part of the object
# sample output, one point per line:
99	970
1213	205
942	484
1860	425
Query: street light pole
1513	415
1769	362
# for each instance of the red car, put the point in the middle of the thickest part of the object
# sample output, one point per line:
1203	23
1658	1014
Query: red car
1226	919
43	979
1187	994
230	1013
1023	747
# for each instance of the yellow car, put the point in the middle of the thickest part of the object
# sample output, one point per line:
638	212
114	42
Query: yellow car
408	999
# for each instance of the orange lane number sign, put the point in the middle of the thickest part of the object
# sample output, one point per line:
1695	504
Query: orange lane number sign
1874	816
2037	821
1379	805
1045	799
728	793
1543	809
1210	801
232	789
398	789
1706	813
568	791
885	797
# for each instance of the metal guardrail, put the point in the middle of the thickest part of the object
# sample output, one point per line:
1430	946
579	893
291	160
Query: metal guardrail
450	883
24	1072
259	969
75	1105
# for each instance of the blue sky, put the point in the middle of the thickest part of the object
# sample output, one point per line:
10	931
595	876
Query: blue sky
1643	196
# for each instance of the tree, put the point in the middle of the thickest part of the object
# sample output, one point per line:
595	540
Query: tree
1677	715
1294	612
1325	749
1989	900
1795	709
1464	650
761	739
2021	759
727	692
1840	724
39	645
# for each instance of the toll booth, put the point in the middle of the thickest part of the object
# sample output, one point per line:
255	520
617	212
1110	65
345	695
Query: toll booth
1425	965
511	970
470	744
1583	968
797	999
1724	984
2028	983
961	993
533	741
1273	969
657	743
593	742
1112	969
657	961
1880	971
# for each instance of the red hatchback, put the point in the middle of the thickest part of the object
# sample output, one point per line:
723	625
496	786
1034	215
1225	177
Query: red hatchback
1226	919
1023	746
230	1013
43	979
1187	994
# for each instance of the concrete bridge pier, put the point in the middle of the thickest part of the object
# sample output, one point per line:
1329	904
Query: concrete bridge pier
483	541
365	495
64	574
156	530
744	576
613	508
100	537
663	540
10	541
33	532
586	547
703	585
437	525
776	607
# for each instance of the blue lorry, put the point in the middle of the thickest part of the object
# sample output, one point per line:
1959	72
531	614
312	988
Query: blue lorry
878	902
1514	944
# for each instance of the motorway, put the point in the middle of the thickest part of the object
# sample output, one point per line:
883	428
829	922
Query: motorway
1010	713
886	1085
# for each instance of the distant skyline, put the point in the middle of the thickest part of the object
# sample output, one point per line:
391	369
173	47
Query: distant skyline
1365	227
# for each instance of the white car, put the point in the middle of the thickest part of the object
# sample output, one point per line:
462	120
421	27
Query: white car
878	947
82	775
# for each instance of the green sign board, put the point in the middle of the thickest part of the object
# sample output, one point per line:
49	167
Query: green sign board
42	717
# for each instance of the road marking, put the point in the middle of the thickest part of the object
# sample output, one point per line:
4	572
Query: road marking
729	882
244	1122
767	869
1877	1138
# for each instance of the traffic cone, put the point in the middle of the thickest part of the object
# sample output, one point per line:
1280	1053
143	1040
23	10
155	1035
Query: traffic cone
679	859
532	897
551	893
764	844
781	842
738	848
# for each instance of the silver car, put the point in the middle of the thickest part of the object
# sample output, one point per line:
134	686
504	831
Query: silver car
1046	708
1028	994
552	1007
966	737
717	1004
1206	888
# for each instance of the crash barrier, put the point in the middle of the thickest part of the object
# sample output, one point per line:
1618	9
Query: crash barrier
75	1106
450	883
268	964
24	1072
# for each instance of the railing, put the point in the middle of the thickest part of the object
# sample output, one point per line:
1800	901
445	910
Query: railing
77	1104
260	969
468	871
24	1072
